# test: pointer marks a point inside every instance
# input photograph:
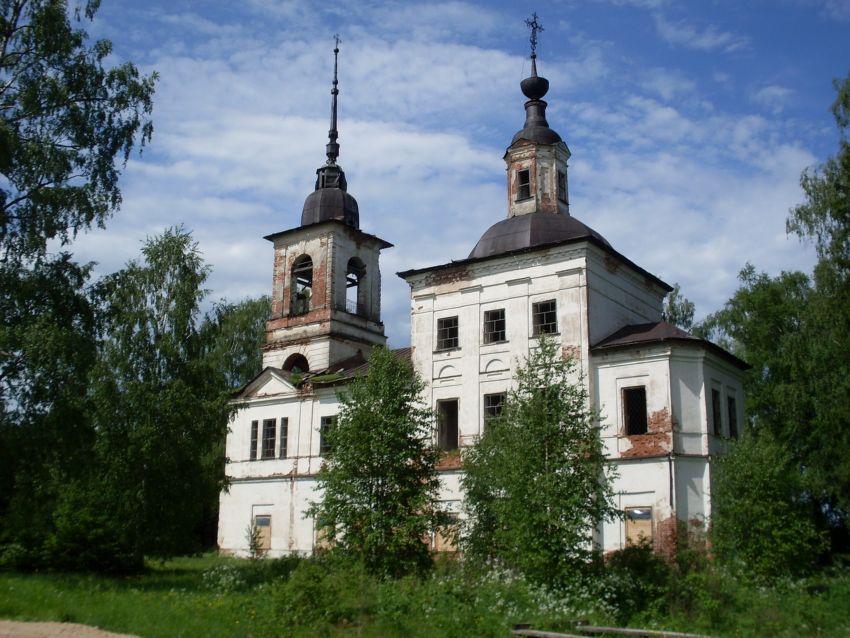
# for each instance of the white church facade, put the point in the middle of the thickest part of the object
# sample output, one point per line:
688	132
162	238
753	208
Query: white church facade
668	400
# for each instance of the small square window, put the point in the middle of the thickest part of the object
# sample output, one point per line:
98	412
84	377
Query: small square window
328	423
716	417
544	318
523	185
562	186
284	436
447	331
494	325
255	425
493	405
269	438
447	433
634	410
733	417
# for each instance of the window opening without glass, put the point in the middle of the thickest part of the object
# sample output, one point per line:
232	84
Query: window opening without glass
328	422
284	436
447	434
716	418
355	302
301	286
634	410
544	318
562	186
493	405
523	180
733	417
447	333
494	325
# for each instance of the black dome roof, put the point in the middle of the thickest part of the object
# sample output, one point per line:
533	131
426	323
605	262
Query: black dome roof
330	203
531	230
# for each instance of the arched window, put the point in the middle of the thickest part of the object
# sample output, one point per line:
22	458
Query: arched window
301	286
355	291
296	364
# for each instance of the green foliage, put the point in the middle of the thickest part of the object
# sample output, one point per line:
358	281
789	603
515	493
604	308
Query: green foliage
65	121
232	334
762	522
537	483
379	484
678	309
254	538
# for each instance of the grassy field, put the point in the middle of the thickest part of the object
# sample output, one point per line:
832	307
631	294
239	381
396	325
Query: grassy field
211	596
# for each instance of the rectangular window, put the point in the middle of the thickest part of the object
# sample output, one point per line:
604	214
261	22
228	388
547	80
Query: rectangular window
544	318
444	539
447	434
269	436
523	185
493	405
328	422
255	425
284	436
733	417
638	524
494	325
562	186
716	418
634	410
447	331
264	524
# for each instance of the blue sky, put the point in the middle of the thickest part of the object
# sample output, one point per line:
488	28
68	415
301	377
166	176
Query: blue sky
689	125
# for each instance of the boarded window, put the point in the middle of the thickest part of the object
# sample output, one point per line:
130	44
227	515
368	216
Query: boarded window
562	186
493	405
494	325
447	435
255	425
447	333
634	410
544	318
284	436
523	185
269	438
328	422
733	417
638	524
445	538
264	524
716	418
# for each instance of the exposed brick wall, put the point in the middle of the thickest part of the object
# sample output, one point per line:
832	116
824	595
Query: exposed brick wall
658	439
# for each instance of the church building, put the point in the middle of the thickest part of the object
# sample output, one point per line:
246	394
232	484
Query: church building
668	400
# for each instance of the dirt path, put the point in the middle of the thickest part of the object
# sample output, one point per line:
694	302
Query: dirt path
10	629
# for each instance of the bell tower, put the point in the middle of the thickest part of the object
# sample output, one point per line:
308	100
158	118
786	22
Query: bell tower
326	289
537	157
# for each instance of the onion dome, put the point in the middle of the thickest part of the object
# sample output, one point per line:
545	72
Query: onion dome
536	128
331	200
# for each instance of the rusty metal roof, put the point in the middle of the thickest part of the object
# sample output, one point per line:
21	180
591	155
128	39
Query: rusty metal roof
659	332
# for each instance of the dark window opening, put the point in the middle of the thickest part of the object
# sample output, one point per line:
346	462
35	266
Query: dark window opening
634	410
544	318
355	292
562	186
523	185
284	436
328	423
296	364
301	286
494	325
716	418
447	333
493	405
269	435
733	417
447	433
255	425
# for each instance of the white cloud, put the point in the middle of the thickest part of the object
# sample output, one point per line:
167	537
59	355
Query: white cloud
710	38
773	97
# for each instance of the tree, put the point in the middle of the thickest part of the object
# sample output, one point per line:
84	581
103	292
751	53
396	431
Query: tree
379	482
160	410
537	483
64	120
678	309
233	334
761	521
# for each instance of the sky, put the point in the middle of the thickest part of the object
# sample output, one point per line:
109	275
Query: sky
689	125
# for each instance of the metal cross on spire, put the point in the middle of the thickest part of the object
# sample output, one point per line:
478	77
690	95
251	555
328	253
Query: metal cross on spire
536	27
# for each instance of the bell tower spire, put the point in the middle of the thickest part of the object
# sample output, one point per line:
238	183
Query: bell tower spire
333	134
